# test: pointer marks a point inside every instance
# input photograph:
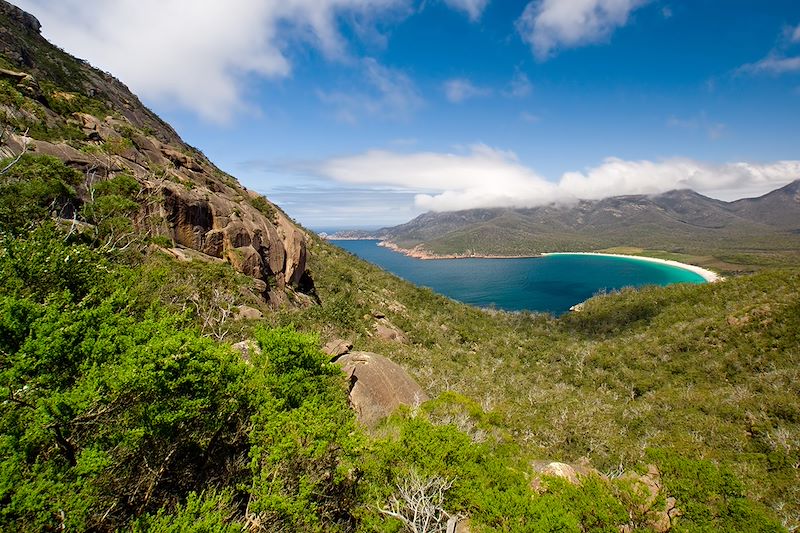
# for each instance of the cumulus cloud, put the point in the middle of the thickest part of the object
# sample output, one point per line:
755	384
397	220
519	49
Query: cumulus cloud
460	89
483	177
772	64
723	181
473	8
384	91
777	61
548	25
197	54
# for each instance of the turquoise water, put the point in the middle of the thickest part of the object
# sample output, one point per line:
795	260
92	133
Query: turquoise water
550	284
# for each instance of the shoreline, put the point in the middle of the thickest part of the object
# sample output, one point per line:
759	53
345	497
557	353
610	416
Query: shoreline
418	253
709	275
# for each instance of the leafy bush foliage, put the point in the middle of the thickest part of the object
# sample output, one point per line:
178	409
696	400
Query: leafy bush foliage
42	264
264	207
710	497
113	410
32	188
112	208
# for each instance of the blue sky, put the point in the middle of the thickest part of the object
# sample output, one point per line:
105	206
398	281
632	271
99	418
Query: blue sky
367	112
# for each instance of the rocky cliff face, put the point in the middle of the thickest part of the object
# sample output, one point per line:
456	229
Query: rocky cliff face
54	104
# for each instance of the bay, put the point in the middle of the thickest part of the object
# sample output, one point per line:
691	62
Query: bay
549	284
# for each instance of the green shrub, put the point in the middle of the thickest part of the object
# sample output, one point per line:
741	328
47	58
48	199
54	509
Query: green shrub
303	438
264	207
710	497
66	103
33	188
207	512
42	264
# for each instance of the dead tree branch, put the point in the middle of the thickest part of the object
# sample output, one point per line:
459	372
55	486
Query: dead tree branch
419	504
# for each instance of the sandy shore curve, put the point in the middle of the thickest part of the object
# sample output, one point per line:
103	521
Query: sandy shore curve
419	253
709	275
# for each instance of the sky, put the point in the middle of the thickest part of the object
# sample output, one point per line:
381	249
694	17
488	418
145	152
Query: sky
366	113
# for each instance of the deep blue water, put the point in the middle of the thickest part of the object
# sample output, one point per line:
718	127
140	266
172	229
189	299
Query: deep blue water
549	284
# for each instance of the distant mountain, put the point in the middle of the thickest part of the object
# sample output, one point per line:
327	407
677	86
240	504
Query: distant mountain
779	208
679	220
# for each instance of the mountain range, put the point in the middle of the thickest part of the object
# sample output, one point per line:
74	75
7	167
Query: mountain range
680	221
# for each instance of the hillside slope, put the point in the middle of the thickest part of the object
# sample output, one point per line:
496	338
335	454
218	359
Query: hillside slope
704	371
56	105
778	208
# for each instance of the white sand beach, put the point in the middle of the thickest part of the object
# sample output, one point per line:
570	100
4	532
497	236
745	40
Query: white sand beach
708	275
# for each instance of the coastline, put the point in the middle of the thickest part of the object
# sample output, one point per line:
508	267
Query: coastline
418	253
709	275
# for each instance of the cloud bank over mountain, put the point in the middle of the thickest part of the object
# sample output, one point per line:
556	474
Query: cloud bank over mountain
481	176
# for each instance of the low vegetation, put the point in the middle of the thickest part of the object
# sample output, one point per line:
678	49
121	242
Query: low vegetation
706	372
122	409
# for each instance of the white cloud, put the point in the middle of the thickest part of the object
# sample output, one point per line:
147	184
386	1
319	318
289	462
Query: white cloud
777	61
726	181
473	8
482	177
385	92
487	177
548	25
197	54
772	64
520	86
460	89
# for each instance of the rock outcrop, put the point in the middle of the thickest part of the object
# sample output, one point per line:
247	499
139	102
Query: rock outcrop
245	312
106	131
225	226
655	508
247	349
384	329
337	347
648	487
378	386
570	472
